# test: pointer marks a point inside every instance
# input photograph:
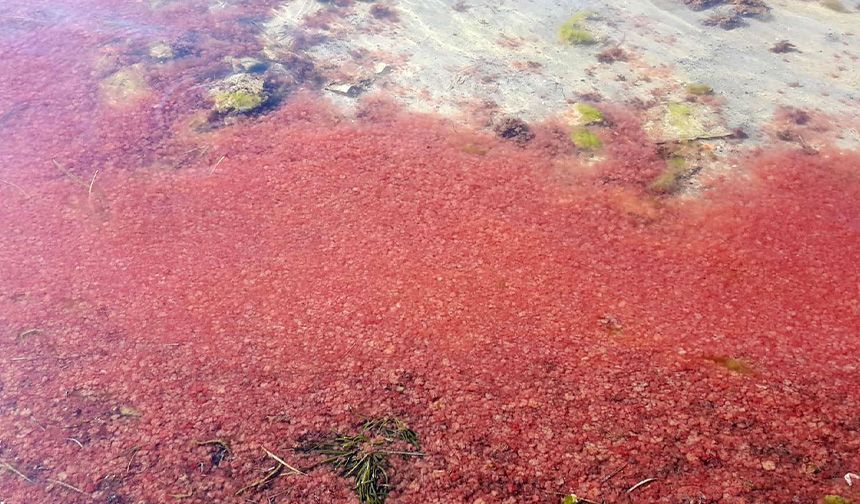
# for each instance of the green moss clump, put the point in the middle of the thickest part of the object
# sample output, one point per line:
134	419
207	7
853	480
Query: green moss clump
585	139
589	114
670	178
699	89
570	499
835	499
237	101
574	30
682	117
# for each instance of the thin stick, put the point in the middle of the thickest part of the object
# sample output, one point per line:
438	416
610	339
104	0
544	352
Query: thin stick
704	137
641	484
405	453
11	469
67	486
281	461
16	186
613	473
69	174
73	440
222	158
92	181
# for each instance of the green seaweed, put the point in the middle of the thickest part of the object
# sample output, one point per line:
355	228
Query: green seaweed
835	499
589	114
670	178
237	101
575	31
681	116
570	499
585	139
698	89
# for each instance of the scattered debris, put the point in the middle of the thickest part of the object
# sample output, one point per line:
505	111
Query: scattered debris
270	475
735	365
641	484
511	128
161	51
611	55
364	456
350	89
697	89
221	450
783	46
9	467
129	411
727	20
124	86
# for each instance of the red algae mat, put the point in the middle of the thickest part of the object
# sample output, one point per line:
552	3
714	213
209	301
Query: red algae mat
544	330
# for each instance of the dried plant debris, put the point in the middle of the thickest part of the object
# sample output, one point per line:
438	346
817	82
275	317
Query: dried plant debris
783	46
516	130
732	12
611	55
220	450
365	456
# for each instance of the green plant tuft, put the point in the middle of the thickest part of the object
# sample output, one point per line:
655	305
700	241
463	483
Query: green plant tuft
589	114
575	31
364	457
696	89
585	139
237	101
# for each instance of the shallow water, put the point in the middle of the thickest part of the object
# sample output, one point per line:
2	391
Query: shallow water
260	223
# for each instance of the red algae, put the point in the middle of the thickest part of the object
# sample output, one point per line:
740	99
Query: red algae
308	272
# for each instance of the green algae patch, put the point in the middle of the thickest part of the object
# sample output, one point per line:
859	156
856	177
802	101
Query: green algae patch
588	114
239	93
670	178
575	30
585	139
237	101
697	89
835	499
124	86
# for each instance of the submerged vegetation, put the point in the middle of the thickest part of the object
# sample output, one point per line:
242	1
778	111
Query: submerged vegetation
364	456
698	89
588	114
585	139
576	31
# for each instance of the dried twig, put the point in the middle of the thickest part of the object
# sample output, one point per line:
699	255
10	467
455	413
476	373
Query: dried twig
92	181
16	186
72	176
9	467
222	158
66	486
613	473
281	461
646	481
